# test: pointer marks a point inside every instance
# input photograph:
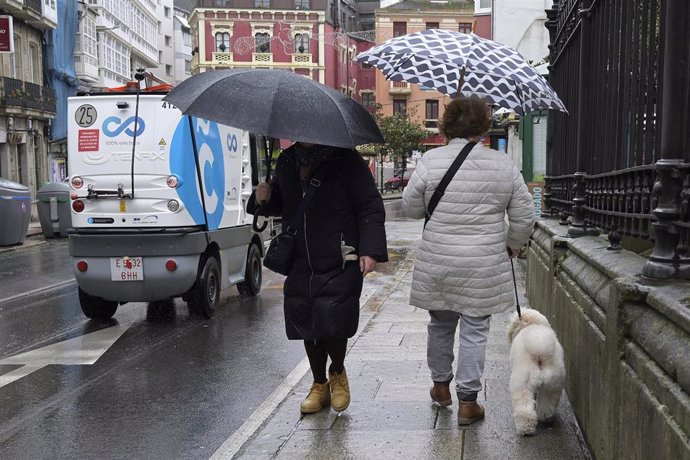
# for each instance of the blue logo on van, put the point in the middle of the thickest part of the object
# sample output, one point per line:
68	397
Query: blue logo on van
122	126
212	163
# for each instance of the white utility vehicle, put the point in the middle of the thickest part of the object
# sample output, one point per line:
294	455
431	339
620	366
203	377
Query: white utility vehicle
158	203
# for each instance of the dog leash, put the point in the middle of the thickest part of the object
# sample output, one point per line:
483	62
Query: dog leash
517	300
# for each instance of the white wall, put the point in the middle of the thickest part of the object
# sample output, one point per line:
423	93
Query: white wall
520	25
183	51
165	14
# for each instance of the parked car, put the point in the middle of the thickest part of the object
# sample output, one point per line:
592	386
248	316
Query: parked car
398	181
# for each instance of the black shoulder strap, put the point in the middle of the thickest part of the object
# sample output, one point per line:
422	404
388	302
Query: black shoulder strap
441	189
313	184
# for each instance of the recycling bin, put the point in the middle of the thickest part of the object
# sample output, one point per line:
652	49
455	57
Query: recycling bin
53	209
15	212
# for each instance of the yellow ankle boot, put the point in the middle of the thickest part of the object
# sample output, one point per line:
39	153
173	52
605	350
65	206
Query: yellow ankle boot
340	391
319	396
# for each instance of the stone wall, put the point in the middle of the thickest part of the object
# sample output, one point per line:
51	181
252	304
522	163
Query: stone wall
626	339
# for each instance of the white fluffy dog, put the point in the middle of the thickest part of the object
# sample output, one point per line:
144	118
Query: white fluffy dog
537	370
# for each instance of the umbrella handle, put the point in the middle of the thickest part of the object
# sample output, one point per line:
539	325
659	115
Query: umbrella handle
255	222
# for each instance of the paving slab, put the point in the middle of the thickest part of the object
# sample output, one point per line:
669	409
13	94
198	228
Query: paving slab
391	415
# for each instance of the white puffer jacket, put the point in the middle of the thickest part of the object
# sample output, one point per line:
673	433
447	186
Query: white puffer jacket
462	263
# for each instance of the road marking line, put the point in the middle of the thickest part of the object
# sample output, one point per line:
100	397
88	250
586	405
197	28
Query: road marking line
243	433
35	291
81	350
6	379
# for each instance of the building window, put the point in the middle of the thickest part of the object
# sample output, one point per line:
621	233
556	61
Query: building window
302	43
262	3
301	4
160	56
399	106
188	66
168	69
168	40
465	27
368	99
399	29
16	57
431	118
89	44
432	25
484	4
33	64
263	41
166	10
187	38
222	41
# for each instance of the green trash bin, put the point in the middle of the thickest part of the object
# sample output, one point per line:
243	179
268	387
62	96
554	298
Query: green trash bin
53	209
15	212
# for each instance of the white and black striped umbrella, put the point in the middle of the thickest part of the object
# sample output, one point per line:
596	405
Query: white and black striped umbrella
438	58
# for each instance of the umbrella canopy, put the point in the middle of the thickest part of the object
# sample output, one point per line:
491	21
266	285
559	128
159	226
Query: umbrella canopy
441	59
276	103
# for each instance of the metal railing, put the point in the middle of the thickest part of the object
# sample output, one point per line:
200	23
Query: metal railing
18	93
619	160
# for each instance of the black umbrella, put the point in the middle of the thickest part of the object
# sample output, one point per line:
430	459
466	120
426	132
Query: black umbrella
277	103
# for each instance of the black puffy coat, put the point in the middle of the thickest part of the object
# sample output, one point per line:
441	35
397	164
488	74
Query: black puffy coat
321	291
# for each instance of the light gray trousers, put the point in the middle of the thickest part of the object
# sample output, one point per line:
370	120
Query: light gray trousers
474	333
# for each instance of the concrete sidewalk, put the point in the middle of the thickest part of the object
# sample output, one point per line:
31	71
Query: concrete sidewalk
391	415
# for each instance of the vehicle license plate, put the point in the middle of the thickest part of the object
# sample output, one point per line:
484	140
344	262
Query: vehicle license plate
126	269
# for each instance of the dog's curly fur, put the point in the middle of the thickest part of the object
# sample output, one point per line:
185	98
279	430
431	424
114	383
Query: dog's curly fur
537	370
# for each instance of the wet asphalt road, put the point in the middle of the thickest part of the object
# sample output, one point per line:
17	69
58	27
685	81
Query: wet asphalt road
170	386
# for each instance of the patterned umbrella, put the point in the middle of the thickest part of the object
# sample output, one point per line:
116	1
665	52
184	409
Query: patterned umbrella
442	59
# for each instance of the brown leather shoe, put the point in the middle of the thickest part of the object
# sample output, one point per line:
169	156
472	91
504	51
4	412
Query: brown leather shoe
469	412
440	394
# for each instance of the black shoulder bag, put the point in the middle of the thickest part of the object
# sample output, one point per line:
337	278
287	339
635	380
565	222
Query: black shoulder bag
278	258
441	189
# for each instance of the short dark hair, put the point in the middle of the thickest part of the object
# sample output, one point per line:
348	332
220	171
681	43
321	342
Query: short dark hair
465	117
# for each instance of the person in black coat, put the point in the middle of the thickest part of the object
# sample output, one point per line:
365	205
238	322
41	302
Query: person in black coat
341	239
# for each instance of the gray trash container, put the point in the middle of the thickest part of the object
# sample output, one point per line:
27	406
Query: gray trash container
53	209
15	212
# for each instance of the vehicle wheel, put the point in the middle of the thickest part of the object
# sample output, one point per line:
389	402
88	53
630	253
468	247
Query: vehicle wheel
96	307
161	310
252	274
205	294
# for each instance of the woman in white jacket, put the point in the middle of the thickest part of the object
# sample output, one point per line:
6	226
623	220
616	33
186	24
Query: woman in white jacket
462	272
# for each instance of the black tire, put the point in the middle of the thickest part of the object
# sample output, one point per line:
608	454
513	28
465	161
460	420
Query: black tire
251	285
205	294
95	307
161	310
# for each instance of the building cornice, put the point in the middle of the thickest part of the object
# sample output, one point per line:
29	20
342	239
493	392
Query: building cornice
200	13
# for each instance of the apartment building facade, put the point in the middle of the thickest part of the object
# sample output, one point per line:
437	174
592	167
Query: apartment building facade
116	37
425	105
26	104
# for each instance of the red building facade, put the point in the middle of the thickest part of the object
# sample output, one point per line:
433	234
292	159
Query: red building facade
299	40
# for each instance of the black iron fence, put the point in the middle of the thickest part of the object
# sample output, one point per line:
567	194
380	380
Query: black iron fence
619	160
26	95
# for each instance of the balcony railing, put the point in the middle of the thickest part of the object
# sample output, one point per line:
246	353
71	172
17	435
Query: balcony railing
301	58
262	57
400	87
26	95
222	58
